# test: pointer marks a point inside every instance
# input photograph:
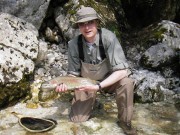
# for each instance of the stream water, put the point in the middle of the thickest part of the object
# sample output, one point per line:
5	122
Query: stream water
149	119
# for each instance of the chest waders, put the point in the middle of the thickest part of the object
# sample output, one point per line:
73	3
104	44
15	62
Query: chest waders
83	101
93	71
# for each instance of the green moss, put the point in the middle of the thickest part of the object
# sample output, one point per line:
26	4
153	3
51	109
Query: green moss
68	8
12	93
72	12
149	36
114	28
158	33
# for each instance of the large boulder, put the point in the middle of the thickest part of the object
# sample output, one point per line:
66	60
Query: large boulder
158	56
151	87
18	50
164	32
33	11
156	48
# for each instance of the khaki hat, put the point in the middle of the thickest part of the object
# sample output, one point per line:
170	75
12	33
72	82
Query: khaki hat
85	14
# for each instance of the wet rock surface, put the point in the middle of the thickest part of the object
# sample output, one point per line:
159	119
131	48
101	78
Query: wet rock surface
149	119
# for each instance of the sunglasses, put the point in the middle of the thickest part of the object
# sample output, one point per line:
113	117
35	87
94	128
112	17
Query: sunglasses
88	23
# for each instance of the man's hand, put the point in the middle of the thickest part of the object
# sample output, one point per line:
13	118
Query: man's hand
88	88
61	88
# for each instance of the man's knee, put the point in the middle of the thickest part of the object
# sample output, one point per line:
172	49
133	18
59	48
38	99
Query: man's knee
126	85
126	81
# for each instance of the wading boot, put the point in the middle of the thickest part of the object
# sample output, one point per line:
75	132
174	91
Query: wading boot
127	128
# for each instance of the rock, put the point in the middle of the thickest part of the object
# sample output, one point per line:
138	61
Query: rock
31	11
43	49
13	65
63	21
55	71
41	71
52	35
158	56
151	87
50	58
171	36
19	35
18	50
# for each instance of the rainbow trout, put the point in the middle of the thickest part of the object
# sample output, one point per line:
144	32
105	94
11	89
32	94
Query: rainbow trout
71	82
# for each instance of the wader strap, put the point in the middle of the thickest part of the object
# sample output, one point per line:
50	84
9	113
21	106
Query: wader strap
101	47
80	47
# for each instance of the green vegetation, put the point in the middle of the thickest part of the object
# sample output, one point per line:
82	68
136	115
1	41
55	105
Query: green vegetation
11	93
158	33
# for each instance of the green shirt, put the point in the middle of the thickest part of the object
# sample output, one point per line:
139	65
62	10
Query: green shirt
112	47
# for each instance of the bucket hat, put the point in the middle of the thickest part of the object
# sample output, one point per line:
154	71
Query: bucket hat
85	14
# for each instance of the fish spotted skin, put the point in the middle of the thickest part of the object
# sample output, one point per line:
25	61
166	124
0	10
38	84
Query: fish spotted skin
71	82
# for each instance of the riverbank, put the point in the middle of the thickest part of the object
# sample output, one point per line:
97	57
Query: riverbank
149	119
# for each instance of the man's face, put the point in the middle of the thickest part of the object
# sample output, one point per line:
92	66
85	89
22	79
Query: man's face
88	29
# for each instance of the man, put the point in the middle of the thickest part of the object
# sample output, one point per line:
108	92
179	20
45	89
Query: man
97	54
